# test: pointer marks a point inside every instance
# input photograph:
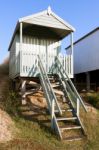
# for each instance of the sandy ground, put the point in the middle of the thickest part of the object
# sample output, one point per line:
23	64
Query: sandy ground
38	99
6	127
6	124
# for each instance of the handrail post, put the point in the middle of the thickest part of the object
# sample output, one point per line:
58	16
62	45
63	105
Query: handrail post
52	114
78	107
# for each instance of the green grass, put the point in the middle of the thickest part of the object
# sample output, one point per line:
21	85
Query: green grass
31	135
92	98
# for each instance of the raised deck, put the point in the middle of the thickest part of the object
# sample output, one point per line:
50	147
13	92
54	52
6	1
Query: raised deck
27	64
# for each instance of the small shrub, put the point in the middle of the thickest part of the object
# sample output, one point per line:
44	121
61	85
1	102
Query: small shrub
12	103
10	100
94	100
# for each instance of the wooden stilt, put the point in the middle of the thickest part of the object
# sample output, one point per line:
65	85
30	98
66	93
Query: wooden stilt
23	91
12	85
88	81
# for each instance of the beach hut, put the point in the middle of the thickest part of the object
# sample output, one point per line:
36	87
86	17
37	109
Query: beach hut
35	53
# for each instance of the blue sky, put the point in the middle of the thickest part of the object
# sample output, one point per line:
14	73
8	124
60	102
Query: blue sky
82	14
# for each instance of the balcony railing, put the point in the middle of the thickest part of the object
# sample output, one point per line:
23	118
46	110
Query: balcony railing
29	63
26	64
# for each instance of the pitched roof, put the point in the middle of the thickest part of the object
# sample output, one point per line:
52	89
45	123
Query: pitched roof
46	18
50	16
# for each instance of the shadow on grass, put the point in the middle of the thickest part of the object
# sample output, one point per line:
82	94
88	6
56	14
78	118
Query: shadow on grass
37	114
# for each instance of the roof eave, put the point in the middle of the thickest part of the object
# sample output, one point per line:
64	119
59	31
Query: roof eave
83	37
64	22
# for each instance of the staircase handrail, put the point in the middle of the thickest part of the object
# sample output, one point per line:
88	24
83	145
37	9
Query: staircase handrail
72	85
39	59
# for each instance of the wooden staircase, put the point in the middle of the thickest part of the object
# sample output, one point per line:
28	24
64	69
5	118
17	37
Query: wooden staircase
68	122
63	103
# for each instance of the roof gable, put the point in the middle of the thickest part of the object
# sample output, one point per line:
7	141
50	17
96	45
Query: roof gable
47	18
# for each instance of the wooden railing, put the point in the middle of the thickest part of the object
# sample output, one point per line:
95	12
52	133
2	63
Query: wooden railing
26	64
67	63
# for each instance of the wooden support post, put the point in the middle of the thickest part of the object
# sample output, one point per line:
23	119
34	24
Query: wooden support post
52	114
21	35
23	90
47	61
72	54
21	39
88	81
13	85
78	107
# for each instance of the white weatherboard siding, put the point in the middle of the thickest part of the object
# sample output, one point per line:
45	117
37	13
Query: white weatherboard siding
24	62
13	67
86	53
31	47
38	34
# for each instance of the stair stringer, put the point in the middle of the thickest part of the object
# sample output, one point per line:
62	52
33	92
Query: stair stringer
49	94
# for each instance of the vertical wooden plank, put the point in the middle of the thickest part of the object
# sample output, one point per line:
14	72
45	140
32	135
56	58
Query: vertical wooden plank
52	114
78	107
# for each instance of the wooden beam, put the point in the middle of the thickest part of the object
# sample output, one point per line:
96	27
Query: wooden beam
58	92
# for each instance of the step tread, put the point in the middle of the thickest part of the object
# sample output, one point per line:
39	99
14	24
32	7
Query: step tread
56	111
73	138
70	128
64	110
55	85
58	92
69	118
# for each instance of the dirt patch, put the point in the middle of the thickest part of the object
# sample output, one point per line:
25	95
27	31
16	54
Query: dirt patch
6	127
